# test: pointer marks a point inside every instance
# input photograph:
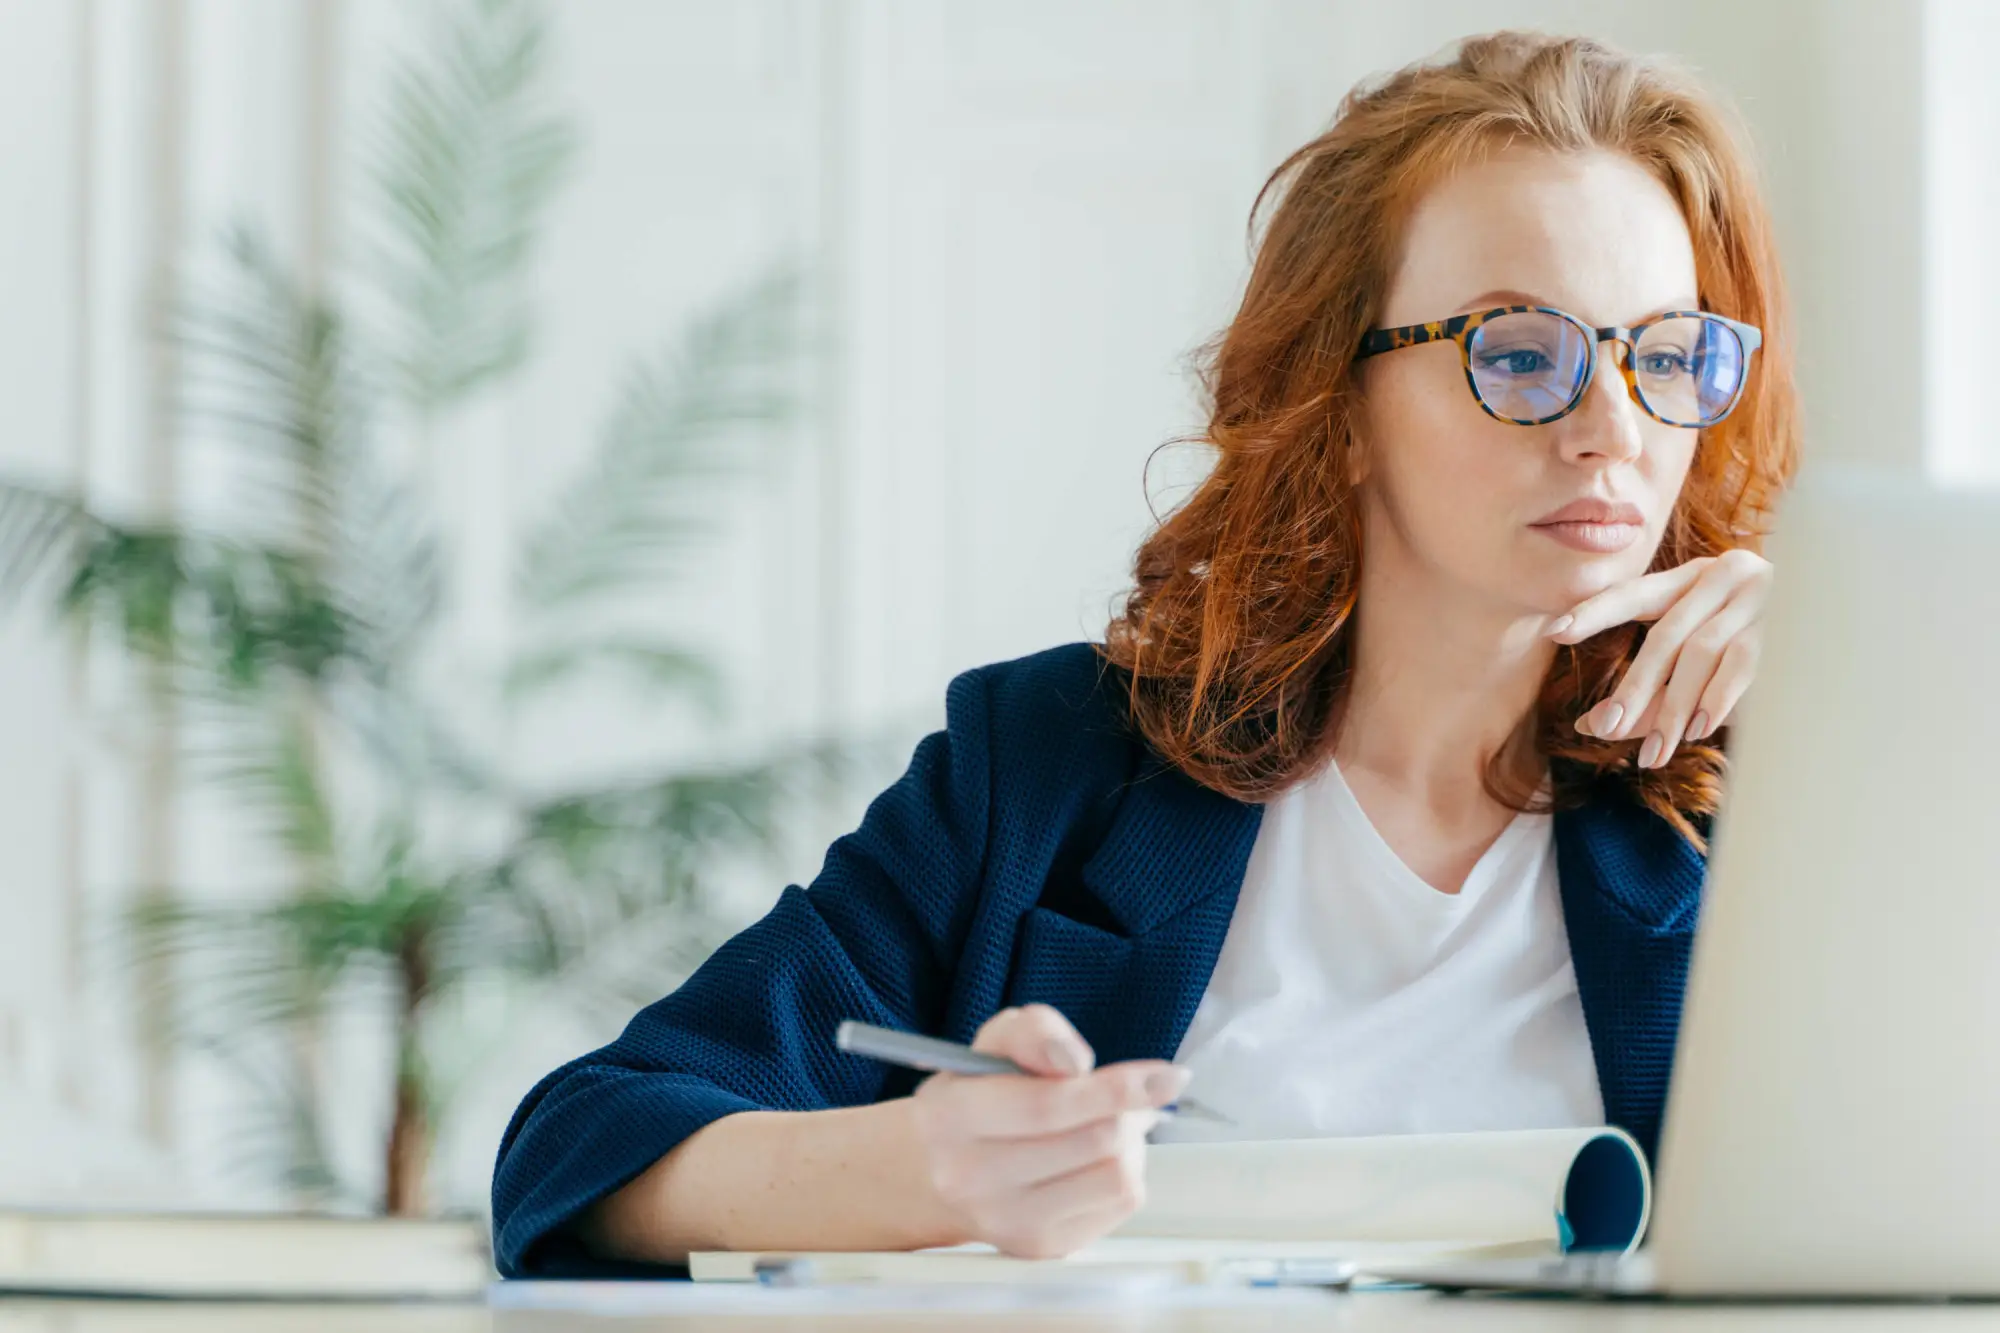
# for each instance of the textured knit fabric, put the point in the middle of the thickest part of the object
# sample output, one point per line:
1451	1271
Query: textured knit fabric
1034	850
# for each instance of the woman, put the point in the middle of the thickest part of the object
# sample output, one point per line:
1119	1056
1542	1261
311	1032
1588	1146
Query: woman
1381	808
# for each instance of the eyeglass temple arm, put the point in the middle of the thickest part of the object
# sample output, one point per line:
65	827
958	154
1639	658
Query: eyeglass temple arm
1376	341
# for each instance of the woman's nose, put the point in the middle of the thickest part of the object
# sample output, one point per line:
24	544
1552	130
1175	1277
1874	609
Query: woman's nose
1606	424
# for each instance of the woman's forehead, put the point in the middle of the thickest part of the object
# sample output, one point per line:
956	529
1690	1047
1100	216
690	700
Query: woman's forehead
1592	233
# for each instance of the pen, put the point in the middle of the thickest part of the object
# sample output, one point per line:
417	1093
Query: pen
933	1055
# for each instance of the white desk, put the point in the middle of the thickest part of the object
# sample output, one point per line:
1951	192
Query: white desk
1368	1312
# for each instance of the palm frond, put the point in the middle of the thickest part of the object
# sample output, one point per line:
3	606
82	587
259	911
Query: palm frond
411	745
667	665
220	612
278	1132
587	866
384	567
650	955
275	963
272	378
139	581
241	970
647	495
464	166
268	377
687	815
43	537
265	753
265	611
133	580
662	818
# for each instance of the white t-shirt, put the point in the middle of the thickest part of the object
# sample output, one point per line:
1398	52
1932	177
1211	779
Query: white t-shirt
1353	998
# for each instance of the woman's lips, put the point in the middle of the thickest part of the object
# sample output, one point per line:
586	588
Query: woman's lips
1598	538
1593	524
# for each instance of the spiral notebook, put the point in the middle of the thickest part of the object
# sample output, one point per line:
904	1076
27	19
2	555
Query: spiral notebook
1294	1209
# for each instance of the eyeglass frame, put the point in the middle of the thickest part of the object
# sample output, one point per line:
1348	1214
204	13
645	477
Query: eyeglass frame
1460	328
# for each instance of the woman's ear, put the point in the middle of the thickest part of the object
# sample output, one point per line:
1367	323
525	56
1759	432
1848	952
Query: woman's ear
1356	453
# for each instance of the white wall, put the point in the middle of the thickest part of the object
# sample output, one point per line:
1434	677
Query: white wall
1961	239
1021	216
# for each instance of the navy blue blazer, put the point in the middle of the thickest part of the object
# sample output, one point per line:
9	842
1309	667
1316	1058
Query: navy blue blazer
1035	849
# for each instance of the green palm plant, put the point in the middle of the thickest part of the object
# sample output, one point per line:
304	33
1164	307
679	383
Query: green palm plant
296	633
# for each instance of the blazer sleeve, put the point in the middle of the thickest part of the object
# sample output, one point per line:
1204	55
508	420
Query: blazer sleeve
872	938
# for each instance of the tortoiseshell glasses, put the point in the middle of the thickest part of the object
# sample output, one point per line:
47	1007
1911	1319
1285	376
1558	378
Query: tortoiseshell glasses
1530	364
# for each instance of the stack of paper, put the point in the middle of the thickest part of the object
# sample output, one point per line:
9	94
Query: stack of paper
242	1255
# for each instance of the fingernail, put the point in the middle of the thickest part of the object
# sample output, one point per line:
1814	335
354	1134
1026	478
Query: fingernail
1163	1085
1649	753
1063	1058
1562	623
1610	715
1697	726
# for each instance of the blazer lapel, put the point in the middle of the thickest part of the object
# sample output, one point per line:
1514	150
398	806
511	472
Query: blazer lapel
1167	873
1171	843
1631	894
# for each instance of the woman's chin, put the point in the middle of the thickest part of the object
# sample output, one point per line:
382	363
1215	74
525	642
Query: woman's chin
1558	596
1576	575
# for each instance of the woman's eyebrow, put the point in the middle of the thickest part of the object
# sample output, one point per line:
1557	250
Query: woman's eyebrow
1500	296
1512	296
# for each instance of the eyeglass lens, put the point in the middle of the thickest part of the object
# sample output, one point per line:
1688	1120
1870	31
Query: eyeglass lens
1529	366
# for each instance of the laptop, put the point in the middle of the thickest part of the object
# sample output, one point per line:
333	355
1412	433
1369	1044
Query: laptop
1833	1124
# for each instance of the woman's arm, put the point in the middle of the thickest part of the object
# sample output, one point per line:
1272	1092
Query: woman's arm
1035	1165
879	936
872	938
777	1180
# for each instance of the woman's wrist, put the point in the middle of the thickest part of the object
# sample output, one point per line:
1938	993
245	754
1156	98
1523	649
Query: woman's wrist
858	1180
848	1178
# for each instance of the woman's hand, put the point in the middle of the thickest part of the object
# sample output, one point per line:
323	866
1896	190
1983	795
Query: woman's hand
1698	657
1040	1166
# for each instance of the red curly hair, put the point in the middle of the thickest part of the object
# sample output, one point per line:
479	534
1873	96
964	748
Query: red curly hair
1236	634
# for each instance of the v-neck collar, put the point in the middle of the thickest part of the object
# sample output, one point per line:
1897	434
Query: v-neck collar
1331	785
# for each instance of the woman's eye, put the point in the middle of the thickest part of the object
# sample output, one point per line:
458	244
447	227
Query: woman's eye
1663	363
1520	361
